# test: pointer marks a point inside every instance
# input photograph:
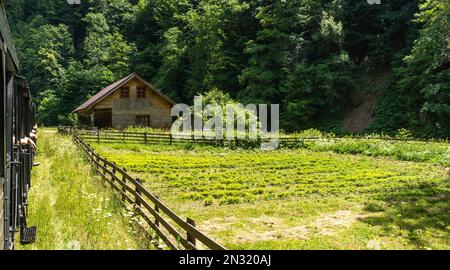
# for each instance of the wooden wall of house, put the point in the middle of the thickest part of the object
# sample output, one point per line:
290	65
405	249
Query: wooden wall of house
125	110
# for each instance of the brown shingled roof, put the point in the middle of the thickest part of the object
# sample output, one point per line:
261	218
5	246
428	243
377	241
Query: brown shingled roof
113	87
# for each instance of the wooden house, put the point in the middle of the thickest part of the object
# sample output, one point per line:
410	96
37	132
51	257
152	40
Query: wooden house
131	101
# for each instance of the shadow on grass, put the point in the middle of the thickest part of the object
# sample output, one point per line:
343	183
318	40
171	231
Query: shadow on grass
420	214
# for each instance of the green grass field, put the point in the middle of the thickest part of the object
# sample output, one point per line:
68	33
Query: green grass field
315	198
70	206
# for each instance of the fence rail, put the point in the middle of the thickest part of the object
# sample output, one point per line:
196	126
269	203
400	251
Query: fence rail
101	136
175	232
65	130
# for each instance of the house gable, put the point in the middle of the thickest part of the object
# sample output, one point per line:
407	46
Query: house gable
106	92
152	97
110	108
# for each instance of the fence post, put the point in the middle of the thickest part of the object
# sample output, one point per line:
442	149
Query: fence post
156	219
104	168
191	239
114	172
98	136
145	138
96	163
171	138
157	211
137	189
123	136
124	182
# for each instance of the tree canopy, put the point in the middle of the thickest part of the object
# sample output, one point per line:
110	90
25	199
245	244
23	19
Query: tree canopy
313	57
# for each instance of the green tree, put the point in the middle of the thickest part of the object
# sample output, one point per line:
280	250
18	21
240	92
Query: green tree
171	76
424	78
283	34
210	61
107	54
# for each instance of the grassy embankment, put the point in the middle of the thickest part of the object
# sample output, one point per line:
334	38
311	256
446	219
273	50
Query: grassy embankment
70	206
301	199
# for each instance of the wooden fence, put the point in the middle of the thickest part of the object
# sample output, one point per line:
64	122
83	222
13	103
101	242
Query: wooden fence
65	130
101	136
140	137
175	232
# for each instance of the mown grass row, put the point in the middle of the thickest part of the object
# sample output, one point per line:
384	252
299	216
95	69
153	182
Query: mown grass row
279	199
234	177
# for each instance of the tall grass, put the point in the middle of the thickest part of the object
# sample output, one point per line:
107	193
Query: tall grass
70	206
431	152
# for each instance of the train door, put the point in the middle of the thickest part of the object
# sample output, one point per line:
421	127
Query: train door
9	172
6	158
15	161
3	220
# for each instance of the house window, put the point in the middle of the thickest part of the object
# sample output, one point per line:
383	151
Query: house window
125	92
141	92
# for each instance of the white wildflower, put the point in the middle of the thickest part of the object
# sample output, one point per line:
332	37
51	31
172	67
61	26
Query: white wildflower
374	245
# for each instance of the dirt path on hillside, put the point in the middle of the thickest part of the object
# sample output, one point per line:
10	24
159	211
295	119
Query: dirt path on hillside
360	118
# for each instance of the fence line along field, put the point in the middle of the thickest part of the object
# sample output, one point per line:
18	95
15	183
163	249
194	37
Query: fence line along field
71	207
162	226
299	198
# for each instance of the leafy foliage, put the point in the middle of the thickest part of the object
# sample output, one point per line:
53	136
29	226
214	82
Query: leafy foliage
424	78
308	56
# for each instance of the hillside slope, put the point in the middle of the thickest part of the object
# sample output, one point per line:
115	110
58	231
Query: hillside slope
360	117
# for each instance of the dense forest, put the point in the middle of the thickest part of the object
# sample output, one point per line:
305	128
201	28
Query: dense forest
319	59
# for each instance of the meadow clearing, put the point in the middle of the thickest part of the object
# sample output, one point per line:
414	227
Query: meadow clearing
70	206
330	194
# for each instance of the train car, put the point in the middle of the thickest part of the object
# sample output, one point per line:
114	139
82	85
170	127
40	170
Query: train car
17	121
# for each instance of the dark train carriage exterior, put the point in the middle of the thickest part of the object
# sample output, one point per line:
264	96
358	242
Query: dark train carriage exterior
2	213
17	119
9	66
